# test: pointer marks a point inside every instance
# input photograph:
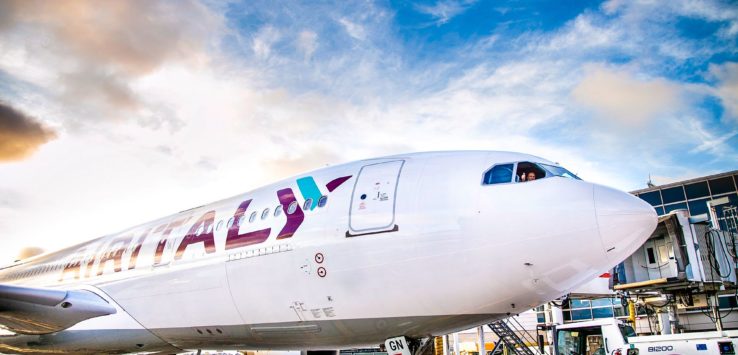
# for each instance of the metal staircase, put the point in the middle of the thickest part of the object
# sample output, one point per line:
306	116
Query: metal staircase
507	330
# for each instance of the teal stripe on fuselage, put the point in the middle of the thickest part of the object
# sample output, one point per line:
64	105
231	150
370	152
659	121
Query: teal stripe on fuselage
309	189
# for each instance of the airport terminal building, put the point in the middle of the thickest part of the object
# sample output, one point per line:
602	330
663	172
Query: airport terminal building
692	195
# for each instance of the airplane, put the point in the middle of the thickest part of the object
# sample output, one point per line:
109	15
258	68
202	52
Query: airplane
347	256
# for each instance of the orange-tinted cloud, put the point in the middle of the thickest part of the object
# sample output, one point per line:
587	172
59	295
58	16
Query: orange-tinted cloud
135	36
20	134
28	252
314	158
94	50
619	96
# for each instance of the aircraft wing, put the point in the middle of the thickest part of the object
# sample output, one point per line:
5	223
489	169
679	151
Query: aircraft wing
30	310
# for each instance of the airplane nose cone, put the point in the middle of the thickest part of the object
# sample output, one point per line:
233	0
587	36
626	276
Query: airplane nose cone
625	221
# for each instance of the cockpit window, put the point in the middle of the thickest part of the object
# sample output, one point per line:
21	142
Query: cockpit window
524	171
499	174
559	171
528	172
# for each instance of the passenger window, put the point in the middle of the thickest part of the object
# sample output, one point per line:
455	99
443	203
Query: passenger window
322	201
265	214
252	217
230	223
220	224
277	211
499	174
292	208
308	204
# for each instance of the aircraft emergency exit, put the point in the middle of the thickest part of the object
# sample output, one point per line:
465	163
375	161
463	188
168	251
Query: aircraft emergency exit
351	255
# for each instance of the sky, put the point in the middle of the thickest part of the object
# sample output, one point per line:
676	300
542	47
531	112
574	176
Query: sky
114	113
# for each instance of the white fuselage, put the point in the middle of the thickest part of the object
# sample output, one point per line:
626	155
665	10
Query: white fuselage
429	249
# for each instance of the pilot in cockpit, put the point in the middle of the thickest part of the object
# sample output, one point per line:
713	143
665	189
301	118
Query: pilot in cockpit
524	172
527	176
527	171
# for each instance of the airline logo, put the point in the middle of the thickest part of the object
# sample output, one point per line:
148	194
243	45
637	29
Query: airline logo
201	231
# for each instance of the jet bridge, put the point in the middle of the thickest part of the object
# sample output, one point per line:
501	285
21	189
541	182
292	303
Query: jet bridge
681	253
684	265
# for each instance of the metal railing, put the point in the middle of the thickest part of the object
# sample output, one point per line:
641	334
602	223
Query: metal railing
514	337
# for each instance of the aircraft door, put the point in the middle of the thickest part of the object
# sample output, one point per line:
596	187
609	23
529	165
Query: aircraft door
660	260
373	199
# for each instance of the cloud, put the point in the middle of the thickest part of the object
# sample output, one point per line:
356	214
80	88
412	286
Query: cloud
88	54
307	42
165	150
727	87
714	144
443	11
11	199
353	29
118	33
612	6
584	33
20	135
264	40
619	96
725	14
295	163
98	87
651	30
28	252
207	164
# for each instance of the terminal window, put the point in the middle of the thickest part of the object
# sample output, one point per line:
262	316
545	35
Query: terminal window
674	194
694	196
722	185
697	190
653	197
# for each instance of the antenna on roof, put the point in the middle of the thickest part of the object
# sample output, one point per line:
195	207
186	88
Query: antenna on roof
649	182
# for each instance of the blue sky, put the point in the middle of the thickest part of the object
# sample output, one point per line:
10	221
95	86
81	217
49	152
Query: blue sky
390	53
109	118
